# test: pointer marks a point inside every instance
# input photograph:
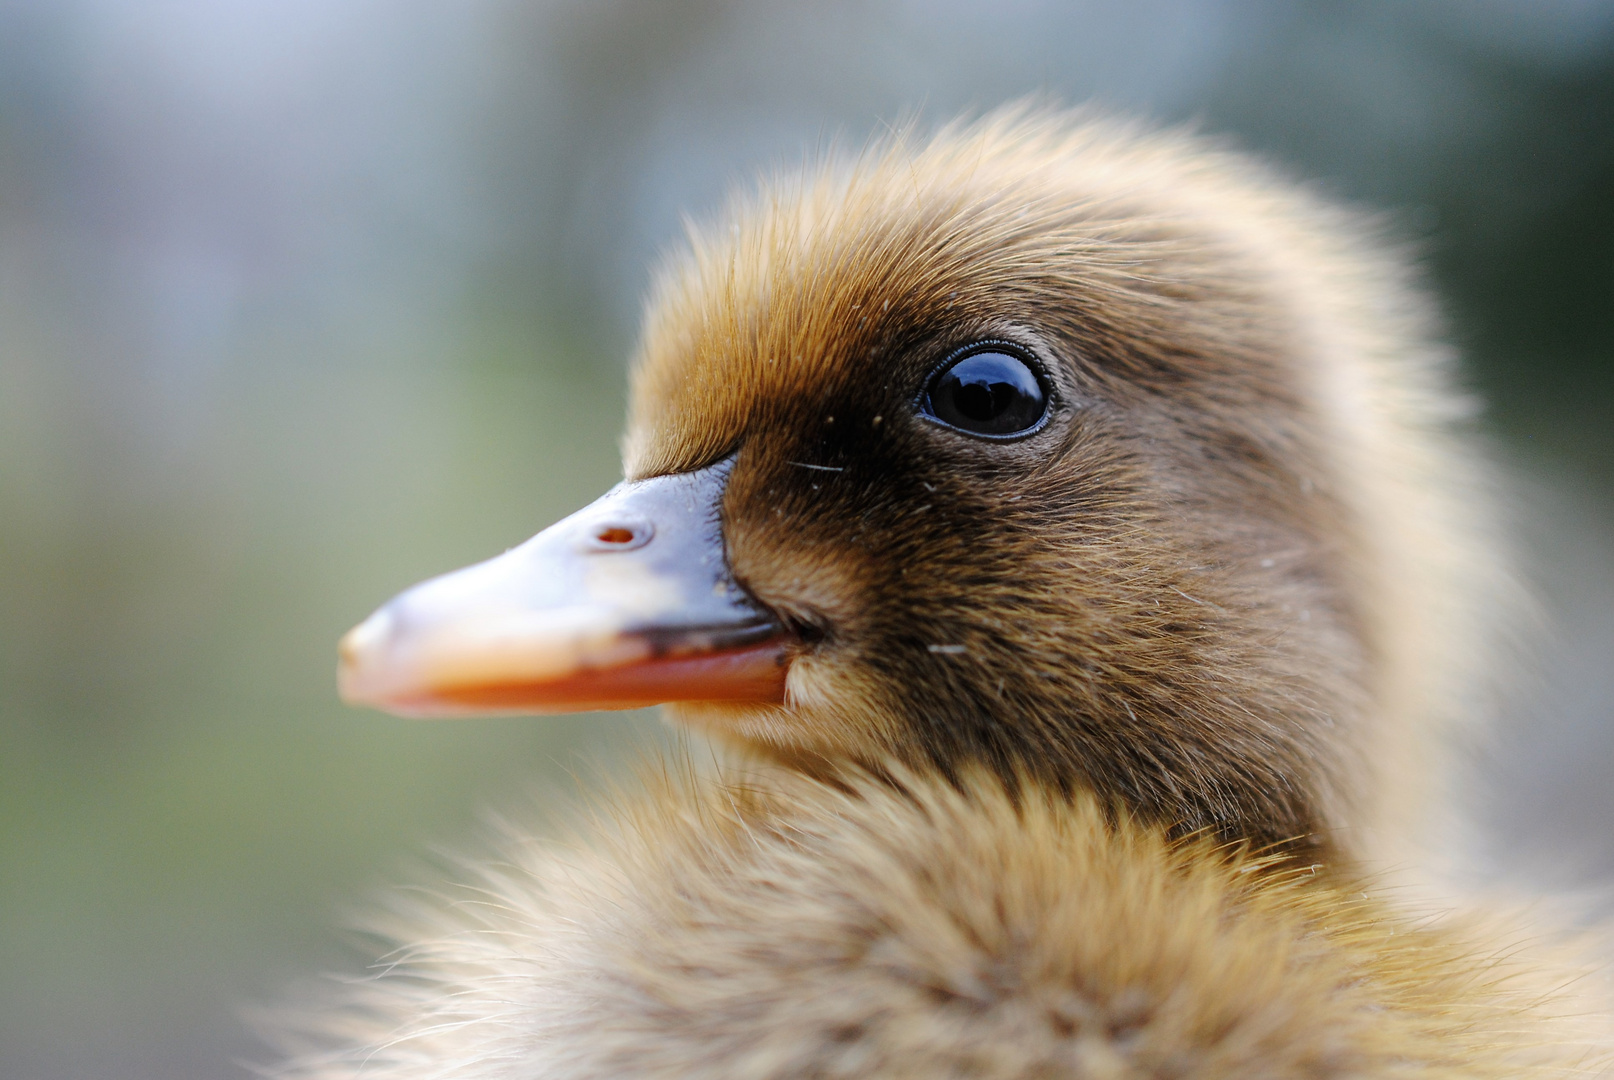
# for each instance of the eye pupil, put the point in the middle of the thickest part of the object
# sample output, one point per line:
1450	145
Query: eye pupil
980	401
989	392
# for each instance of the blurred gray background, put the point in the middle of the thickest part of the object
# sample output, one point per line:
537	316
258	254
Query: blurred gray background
303	300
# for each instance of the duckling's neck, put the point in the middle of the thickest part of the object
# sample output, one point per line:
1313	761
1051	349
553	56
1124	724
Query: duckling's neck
1282	827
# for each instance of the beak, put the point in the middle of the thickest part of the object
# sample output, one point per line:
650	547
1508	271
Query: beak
628	602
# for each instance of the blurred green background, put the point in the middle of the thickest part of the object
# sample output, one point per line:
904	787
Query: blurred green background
302	301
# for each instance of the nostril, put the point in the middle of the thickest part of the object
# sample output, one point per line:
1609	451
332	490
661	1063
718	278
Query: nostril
617	534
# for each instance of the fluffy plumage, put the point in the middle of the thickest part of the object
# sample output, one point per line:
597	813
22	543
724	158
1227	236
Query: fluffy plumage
1047	695
798	929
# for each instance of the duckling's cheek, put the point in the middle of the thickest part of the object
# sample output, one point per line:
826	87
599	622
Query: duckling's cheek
814	686
801	562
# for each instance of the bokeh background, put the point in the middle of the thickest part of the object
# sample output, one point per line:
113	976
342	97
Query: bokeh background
303	300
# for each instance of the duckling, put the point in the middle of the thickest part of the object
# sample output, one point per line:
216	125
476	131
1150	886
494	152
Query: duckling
1102	456
1069	522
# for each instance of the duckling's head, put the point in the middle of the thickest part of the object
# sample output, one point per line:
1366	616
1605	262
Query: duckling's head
1098	457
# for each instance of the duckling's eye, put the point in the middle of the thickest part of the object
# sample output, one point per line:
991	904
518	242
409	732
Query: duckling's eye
990	392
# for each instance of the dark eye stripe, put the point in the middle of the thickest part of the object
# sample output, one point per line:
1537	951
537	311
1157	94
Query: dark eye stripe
989	392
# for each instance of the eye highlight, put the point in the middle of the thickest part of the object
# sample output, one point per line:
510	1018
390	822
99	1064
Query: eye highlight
989	391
